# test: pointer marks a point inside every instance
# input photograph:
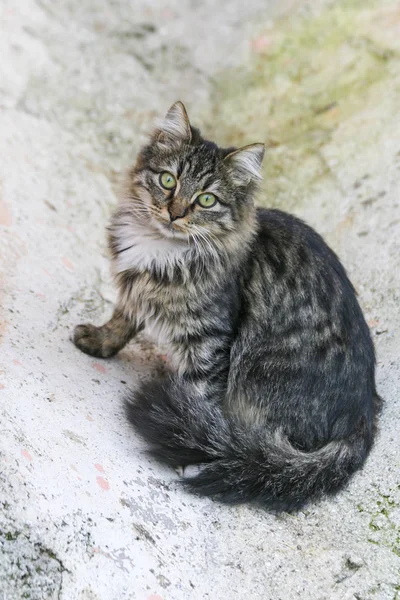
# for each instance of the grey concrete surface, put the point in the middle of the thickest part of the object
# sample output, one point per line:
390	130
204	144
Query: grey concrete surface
85	514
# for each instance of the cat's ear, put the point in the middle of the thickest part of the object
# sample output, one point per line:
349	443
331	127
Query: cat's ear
175	127
245	163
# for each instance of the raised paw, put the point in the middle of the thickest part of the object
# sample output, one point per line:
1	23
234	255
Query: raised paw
91	340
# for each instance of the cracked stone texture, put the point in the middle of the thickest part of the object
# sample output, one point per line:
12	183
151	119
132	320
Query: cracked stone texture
85	514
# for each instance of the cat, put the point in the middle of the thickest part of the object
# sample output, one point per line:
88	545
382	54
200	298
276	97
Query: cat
272	383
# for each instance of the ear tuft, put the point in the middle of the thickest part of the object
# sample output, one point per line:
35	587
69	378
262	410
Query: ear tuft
175	127
246	162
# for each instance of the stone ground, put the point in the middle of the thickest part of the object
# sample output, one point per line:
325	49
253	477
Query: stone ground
86	515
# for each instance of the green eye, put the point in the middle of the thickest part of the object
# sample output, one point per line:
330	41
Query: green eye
167	181
206	200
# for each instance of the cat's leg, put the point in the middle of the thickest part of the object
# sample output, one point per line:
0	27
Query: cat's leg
107	340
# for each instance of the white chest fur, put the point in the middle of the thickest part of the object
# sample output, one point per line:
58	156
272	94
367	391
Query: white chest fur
140	248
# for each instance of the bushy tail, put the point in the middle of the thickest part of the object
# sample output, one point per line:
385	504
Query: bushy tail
242	464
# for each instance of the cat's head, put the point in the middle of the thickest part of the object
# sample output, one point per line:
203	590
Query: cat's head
187	187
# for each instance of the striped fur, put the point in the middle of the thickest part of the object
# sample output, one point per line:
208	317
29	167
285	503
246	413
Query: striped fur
272	386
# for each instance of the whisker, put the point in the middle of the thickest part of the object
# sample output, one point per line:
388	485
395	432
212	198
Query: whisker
208	243
200	253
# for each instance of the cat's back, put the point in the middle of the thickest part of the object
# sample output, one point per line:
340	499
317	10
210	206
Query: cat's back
284	238
305	331
291	254
301	288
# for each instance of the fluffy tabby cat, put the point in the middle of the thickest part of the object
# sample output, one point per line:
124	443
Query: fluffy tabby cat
272	385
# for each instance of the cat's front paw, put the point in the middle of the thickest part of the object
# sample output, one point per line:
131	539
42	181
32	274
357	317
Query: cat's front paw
90	340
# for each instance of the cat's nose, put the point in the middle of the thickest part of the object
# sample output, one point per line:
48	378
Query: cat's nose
177	210
173	217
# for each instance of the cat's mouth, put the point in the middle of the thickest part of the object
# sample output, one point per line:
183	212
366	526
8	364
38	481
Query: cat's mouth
170	229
